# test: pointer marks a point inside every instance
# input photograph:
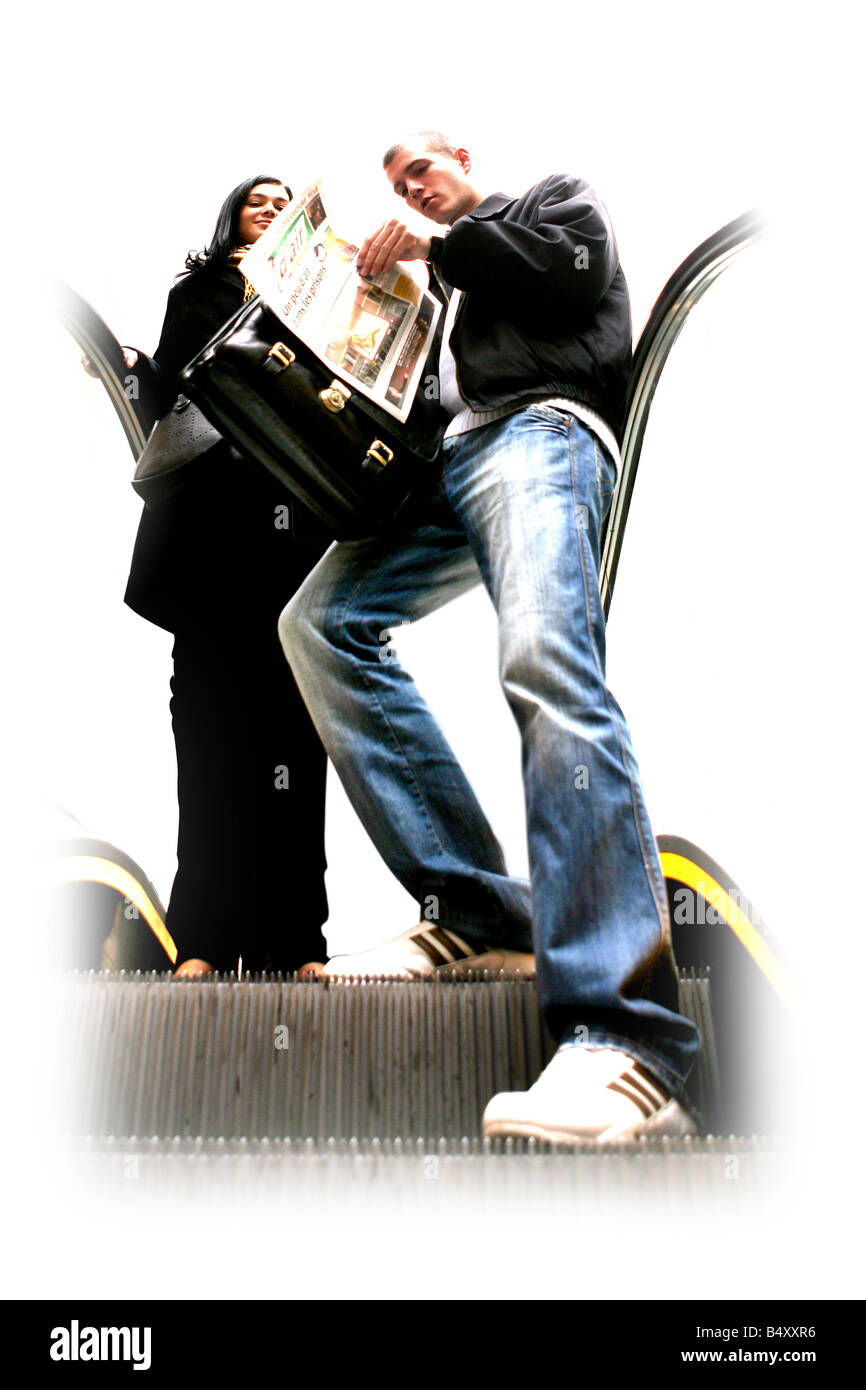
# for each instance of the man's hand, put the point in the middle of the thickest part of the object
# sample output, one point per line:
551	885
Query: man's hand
392	242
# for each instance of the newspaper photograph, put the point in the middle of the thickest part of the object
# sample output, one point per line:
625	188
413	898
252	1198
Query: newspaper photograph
376	335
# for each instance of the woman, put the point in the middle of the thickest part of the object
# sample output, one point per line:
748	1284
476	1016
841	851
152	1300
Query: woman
215	564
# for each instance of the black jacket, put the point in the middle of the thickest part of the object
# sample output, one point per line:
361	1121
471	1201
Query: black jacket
213	547
198	305
546	310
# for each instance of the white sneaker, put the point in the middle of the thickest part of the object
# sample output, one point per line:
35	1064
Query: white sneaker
423	952
593	1093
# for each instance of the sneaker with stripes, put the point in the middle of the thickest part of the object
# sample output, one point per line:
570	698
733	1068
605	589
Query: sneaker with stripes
423	952
601	1094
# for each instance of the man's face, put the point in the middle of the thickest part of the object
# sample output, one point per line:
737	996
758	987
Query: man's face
433	183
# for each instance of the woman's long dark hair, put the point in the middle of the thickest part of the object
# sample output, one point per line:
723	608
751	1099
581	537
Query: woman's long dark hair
226	236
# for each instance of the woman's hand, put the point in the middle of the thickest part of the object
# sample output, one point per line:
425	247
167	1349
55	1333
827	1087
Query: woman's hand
130	357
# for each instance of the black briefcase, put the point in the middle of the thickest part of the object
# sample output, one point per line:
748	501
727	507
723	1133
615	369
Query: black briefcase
351	463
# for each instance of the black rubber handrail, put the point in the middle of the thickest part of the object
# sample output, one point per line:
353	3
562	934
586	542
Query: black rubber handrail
96	339
686	286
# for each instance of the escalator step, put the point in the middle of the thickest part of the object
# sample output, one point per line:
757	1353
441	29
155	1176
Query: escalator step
308	1060
434	1170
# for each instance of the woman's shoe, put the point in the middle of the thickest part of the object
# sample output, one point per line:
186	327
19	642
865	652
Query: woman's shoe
193	969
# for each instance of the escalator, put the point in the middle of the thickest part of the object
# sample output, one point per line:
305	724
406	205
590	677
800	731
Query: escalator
374	1075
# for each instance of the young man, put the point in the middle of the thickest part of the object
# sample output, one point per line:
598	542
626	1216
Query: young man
533	369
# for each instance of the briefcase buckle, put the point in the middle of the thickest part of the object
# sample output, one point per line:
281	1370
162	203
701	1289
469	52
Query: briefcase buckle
334	397
283	354
380	452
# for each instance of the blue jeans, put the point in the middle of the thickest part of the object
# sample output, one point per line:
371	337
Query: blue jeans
519	504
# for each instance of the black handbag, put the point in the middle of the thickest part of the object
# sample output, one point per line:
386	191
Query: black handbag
351	463
181	436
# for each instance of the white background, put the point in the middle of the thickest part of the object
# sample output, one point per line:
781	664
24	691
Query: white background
734	635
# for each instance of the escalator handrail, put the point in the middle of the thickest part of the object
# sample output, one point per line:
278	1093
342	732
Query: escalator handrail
96	339
679	296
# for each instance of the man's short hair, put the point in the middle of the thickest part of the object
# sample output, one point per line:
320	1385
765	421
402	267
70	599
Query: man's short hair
434	140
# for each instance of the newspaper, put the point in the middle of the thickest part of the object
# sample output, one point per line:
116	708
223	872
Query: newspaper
375	335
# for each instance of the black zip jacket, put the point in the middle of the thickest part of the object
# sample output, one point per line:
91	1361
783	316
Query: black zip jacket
546	311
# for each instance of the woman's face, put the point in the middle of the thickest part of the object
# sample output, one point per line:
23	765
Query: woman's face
262	205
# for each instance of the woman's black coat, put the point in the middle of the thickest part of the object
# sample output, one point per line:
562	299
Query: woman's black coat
215	564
